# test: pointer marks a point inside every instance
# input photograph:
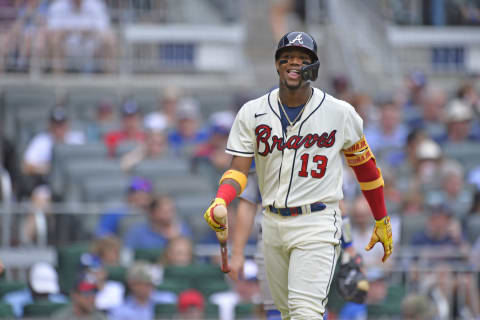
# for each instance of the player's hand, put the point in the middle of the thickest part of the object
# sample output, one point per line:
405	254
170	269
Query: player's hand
382	233
236	267
208	215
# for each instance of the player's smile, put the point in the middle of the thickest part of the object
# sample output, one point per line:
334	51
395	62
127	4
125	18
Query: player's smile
289	65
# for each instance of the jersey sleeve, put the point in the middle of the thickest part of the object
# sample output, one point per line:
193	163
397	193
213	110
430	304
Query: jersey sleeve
251	193
353	130
240	140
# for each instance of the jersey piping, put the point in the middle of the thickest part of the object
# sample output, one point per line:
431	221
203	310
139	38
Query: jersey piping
295	155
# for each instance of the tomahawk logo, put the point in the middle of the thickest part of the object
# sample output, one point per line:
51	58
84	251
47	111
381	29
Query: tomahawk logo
297	38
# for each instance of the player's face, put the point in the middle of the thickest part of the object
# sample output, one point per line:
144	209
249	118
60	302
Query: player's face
288	65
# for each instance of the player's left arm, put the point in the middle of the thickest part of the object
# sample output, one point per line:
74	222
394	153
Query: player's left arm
360	158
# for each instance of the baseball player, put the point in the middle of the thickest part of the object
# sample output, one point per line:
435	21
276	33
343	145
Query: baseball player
352	283
297	135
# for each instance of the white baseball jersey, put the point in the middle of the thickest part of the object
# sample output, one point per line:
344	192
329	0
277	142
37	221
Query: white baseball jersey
304	164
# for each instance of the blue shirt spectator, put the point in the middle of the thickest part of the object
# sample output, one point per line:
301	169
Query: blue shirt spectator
138	199
187	134
162	225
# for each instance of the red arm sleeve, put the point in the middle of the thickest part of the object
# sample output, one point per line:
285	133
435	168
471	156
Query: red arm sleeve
368	172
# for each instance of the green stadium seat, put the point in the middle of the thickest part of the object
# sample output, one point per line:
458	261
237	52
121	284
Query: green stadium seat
246	310
6	311
68	263
151	255
42	309
209	286
165	310
10	286
117	273
195	271
174	285
211	311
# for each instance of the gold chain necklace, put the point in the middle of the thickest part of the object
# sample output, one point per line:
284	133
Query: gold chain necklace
292	123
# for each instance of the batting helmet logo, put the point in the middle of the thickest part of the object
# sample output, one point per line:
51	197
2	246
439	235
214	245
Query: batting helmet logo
298	38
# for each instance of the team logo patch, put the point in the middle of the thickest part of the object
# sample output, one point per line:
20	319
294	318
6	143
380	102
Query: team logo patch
298	38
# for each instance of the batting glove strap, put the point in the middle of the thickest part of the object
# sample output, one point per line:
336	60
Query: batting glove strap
209	217
382	233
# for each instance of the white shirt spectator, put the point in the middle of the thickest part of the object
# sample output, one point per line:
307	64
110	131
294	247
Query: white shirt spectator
93	15
111	296
39	150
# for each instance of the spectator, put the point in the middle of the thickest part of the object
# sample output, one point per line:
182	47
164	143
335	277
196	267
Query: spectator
42	286
245	290
83	302
39	223
9	162
155	146
453	190
383	299
131	130
167	107
110	293
161	225
81	28
210	157
107	250
105	121
138	198
191	305
26	38
444	231
432	119
361	224
187	135
389	136
417	307
365	108
279	12
459	122
140	304
429	161
37	160
178	252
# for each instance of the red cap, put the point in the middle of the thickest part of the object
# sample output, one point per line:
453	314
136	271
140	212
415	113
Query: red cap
190	298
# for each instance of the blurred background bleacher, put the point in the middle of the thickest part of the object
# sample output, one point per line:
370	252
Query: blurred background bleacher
140	107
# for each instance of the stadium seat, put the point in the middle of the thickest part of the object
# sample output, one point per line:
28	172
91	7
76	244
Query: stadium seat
42	309
244	310
117	273
158	169
473	228
209	286
467	153
9	286
67	152
410	225
68	263
185	183
174	285
165	310
151	255
211	311
99	189
6	311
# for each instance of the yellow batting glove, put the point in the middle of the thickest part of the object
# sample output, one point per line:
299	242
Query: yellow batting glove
208	215
382	233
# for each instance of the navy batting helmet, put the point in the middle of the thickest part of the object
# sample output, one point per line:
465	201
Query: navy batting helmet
305	41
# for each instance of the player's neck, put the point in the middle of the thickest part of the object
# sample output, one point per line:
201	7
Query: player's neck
294	98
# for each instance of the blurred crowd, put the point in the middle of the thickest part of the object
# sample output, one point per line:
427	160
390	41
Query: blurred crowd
426	140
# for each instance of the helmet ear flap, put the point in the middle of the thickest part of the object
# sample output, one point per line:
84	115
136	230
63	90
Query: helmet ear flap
310	72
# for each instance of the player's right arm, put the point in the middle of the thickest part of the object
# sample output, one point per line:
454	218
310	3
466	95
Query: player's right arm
245	218
231	185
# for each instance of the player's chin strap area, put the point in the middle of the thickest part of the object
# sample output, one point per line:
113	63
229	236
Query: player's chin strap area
310	72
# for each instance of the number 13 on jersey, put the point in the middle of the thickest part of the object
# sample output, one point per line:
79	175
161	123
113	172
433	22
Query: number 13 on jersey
321	166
